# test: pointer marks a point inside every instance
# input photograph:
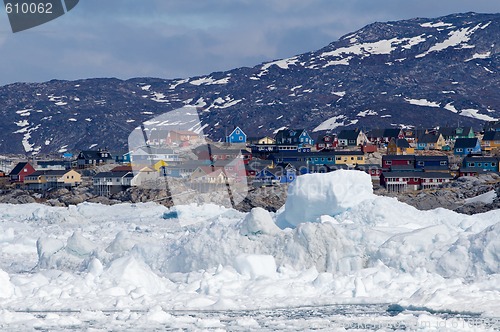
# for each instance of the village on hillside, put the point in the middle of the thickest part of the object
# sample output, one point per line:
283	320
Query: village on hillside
396	159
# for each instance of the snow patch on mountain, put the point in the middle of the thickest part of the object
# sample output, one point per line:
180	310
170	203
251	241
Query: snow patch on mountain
209	81
331	123
385	46
457	37
366	113
283	63
422	102
473	113
436	25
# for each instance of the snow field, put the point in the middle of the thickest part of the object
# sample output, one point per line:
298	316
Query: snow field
337	243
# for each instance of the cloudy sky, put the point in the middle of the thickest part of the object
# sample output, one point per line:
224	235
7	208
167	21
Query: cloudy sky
182	38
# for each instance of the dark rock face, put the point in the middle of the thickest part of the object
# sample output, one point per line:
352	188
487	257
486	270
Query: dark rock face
421	72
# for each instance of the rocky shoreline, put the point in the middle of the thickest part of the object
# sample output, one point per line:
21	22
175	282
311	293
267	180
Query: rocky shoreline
452	196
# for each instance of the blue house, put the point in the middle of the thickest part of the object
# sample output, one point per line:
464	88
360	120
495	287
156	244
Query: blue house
266	177
475	165
237	136
432	163
310	158
298	137
467	146
286	172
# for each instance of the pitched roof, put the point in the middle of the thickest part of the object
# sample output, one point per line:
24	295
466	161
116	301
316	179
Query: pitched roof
402	143
18	168
464	143
386	132
491	136
114	175
349	134
289	133
50	172
428	138
237	128
94	155
455	131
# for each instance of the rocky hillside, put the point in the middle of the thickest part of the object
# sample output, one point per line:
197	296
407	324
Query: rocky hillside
421	72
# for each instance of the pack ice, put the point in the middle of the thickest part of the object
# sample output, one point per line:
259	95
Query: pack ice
333	242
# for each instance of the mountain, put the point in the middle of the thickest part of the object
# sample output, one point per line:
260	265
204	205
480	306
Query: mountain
419	72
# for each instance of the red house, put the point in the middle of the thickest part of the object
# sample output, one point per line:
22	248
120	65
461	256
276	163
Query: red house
327	141
403	181
398	162
21	171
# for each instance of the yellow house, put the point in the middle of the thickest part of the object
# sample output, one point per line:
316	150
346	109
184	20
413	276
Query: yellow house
399	146
349	158
491	141
43	180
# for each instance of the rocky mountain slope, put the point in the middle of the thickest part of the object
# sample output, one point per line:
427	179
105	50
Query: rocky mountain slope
421	72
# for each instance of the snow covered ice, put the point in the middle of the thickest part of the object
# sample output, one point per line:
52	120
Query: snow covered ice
337	246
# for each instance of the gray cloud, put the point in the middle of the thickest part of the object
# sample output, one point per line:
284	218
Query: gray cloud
170	39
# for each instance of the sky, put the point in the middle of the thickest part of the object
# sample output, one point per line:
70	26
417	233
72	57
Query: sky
185	38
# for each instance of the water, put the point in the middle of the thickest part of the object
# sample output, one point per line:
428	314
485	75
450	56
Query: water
373	317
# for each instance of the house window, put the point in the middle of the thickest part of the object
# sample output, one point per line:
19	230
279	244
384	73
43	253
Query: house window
420	163
479	164
241	138
472	164
352	158
338	158
237	132
25	170
360	158
493	164
459	149
389	162
415	179
443	163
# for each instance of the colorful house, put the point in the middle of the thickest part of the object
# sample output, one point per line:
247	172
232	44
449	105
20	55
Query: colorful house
378	136
352	137
236	136
91	158
466	146
297	137
430	142
406	162
432	163
312	158
108	183
48	179
327	141
266	177
451	134
350	158
182	137
20	171
472	166
210	175
491	140
410	181
399	146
